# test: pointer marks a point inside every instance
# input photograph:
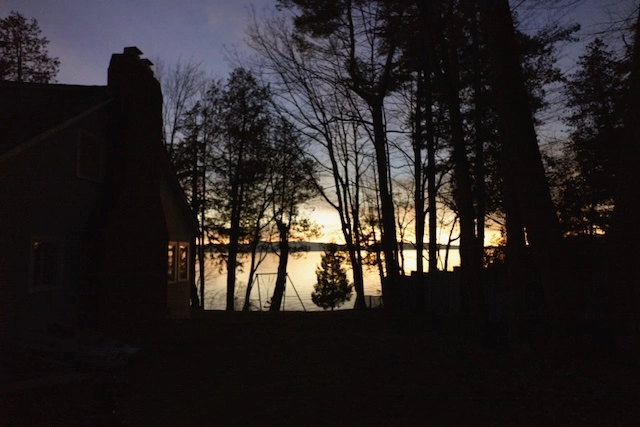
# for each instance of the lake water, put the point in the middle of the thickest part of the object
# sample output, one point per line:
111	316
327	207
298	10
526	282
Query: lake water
302	278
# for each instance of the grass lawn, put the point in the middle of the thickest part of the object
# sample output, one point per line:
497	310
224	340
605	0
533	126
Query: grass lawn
333	368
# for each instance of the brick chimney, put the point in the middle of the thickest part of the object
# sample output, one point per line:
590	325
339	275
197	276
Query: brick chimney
135	239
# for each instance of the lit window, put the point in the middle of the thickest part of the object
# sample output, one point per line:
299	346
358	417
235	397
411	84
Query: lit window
46	263
183	261
172	262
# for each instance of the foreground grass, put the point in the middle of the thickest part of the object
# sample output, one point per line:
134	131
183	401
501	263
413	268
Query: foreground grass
339	368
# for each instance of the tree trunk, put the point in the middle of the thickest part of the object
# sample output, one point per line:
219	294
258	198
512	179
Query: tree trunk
521	310
201	224
252	272
358	276
431	182
232	262
356	257
417	173
479	172
281	279
195	202
234	241
389	244
521	152
470	265
624	301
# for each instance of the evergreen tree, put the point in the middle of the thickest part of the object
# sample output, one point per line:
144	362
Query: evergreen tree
596	97
333	289
239	164
23	53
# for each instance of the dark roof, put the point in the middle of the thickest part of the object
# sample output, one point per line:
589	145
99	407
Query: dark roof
29	109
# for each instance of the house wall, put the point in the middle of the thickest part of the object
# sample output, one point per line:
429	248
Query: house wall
42	196
114	232
178	292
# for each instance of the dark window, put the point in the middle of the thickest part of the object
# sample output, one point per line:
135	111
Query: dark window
46	263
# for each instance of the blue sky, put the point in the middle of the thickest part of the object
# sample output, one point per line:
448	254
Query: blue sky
84	33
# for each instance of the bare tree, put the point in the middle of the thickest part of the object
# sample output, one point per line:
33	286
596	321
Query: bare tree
183	84
306	90
187	132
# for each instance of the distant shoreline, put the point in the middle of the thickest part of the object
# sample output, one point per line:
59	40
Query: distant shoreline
319	246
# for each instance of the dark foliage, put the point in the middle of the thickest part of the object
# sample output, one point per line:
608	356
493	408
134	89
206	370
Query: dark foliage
333	289
23	52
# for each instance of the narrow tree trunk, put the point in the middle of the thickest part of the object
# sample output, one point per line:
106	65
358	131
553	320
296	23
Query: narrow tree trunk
252	272
354	254
358	278
427	53
281	279
431	181
202	246
234	241
389	243
520	308
232	262
195	207
479	172
417	173
470	265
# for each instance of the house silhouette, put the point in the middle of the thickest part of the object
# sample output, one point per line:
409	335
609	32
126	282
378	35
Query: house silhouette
94	227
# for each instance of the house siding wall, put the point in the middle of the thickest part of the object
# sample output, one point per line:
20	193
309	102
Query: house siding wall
114	232
178	293
43	197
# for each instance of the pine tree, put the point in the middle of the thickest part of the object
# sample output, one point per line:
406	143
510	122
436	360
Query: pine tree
333	289
23	53
596	94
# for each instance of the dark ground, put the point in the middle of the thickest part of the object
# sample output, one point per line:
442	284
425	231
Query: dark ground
340	368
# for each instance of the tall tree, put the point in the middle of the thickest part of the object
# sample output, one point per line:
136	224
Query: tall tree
239	164
191	154
596	95
23	52
183	84
304	83
522	160
292	184
187	134
359	37
624	301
